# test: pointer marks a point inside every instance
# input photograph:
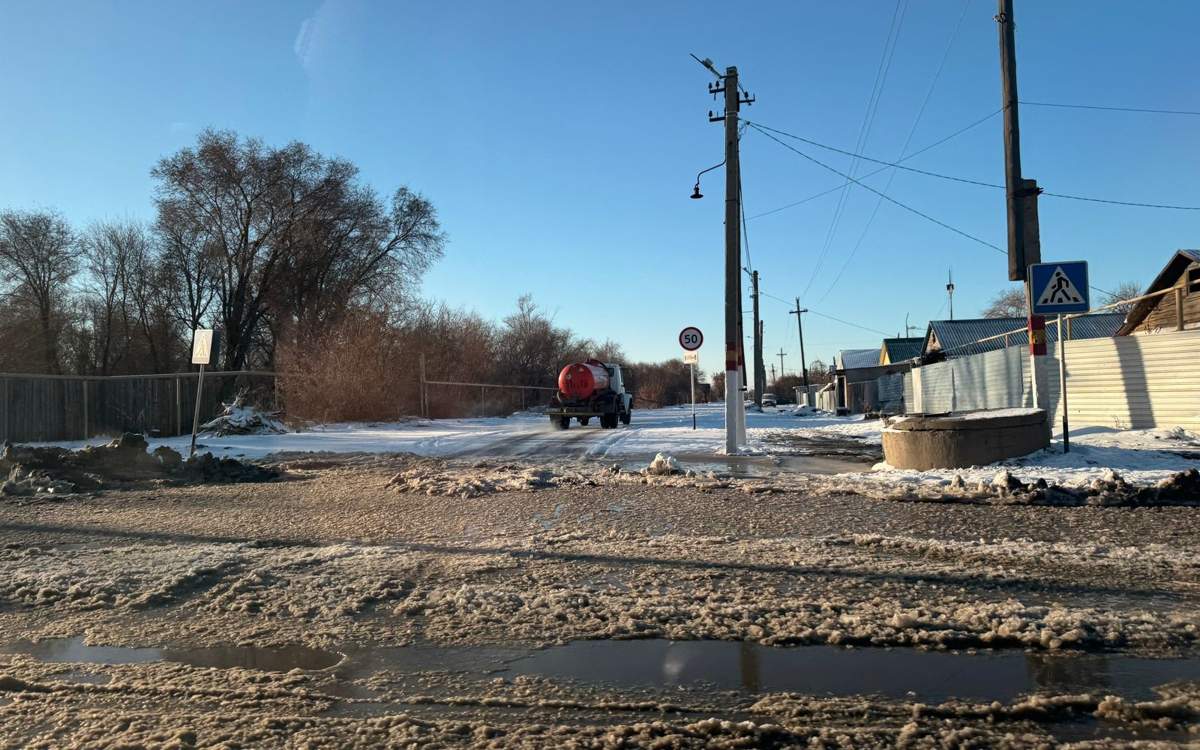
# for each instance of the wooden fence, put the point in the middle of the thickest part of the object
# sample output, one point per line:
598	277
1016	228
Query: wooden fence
71	407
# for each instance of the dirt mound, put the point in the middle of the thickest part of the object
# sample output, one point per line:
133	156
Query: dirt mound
124	461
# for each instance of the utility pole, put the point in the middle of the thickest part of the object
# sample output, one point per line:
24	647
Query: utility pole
907	327
759	375
734	403
772	372
1024	242
782	372
800	326
950	290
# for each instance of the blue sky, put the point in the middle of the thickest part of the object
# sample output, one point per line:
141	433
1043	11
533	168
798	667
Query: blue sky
559	141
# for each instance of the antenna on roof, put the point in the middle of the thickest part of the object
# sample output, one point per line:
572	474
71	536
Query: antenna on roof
950	290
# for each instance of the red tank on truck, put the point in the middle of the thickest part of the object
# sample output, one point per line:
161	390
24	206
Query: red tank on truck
591	389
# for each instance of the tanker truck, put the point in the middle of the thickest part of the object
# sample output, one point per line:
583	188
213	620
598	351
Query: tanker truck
590	389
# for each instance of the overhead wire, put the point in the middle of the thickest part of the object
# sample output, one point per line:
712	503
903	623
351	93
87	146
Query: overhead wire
864	133
914	154
1112	109
903	149
1137	204
885	196
823	315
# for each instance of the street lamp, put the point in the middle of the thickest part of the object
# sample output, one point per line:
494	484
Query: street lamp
696	194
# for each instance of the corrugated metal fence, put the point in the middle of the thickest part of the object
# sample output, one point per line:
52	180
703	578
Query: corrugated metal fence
67	407
1122	382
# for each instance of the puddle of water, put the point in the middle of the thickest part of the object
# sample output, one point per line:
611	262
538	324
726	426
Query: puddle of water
722	665
74	650
826	670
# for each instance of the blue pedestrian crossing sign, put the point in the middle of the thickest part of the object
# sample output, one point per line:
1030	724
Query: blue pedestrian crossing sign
1058	288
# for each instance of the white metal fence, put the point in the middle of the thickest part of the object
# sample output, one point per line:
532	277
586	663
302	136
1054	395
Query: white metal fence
1121	382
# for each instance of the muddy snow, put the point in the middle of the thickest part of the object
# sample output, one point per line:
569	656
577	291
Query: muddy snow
399	554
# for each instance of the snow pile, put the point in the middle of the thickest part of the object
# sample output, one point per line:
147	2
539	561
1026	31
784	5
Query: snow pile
663	465
804	410
239	419
1178	434
1005	488
434	477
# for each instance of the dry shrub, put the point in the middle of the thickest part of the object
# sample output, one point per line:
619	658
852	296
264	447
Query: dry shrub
357	370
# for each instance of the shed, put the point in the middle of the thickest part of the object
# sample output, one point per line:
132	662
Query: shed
1179	308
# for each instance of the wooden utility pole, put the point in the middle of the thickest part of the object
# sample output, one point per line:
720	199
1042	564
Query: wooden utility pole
800	326
1024	246
782	372
759	375
1024	242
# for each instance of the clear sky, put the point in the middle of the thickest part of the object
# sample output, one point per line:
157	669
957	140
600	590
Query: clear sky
560	141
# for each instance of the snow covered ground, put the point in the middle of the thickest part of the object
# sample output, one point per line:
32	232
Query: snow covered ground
530	436
1141	456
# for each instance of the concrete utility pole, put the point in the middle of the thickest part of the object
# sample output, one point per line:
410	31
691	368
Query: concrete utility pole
1024	242
758	342
800	326
734	403
782	372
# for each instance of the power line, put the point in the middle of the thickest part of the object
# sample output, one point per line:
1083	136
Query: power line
914	154
823	315
862	236
886	164
1112	109
1121	203
886	197
1173	207
864	133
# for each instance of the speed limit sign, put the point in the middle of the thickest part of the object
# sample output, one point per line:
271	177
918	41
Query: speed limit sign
691	338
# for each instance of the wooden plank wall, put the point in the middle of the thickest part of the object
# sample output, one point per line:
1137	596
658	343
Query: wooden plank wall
37	408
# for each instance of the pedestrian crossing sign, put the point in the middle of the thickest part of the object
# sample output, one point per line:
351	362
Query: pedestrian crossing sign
1058	288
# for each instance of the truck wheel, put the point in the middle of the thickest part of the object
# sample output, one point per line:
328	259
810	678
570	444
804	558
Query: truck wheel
583	421
560	423
626	416
608	421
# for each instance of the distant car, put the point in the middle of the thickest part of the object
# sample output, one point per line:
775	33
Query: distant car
769	400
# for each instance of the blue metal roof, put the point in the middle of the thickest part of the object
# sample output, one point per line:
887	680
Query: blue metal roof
903	348
853	359
957	338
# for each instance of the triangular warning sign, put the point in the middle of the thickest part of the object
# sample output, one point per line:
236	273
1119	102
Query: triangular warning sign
1060	290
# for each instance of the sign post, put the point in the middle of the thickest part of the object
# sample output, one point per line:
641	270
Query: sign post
691	339
204	350
1060	289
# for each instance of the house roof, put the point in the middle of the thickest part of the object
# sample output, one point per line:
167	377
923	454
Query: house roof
901	349
853	359
1166	278
956	338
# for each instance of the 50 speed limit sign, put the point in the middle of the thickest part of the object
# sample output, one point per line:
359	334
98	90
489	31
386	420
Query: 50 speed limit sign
691	338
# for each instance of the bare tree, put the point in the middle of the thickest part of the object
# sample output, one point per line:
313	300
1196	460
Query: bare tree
106	248
1009	303
190	260
292	233
39	257
1125	290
